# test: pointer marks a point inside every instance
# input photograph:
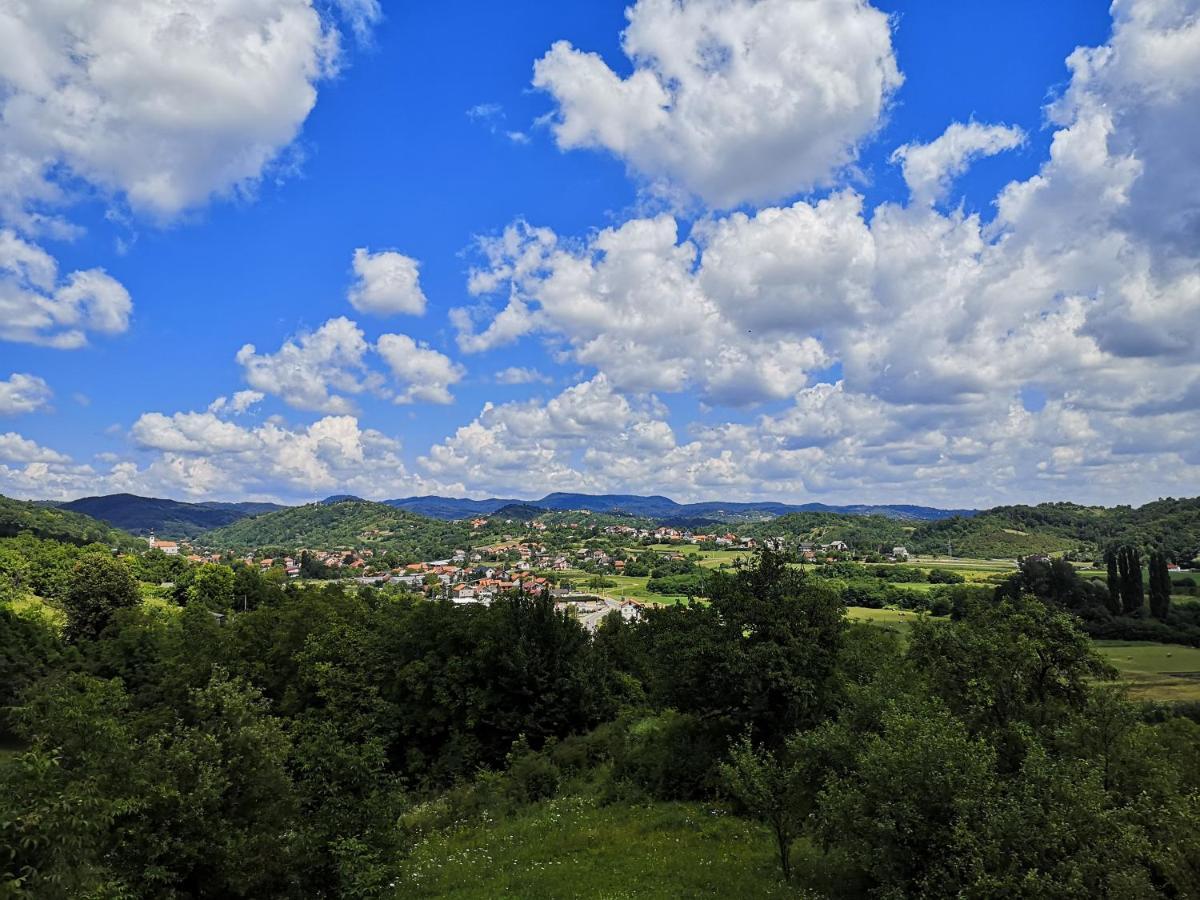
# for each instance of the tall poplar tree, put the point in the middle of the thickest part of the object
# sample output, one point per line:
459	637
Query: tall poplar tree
1160	585
1114	582
1129	569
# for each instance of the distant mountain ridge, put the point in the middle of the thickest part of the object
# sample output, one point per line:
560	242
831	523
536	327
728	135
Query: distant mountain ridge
165	518
28	517
659	507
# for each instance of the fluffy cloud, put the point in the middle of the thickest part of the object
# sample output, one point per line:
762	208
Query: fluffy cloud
1086	285
386	283
158	104
734	100
579	440
15	448
202	455
521	375
313	371
39	307
198	455
316	370
633	303
424	374
240	402
831	443
162	102
23	393
929	169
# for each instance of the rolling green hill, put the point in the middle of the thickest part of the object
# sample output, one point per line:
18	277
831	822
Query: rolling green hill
18	516
344	524
165	518
1006	532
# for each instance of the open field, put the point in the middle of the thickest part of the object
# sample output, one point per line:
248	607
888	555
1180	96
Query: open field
898	620
1155	671
708	558
623	586
569	847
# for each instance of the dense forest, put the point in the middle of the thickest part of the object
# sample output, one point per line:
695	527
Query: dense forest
271	740
345	524
23	517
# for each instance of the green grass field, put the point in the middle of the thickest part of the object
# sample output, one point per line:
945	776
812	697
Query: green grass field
623	586
1155	671
571	848
898	620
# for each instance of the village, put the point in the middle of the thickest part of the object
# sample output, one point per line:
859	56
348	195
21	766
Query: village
572	563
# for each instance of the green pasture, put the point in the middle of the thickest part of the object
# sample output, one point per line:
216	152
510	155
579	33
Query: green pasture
632	587
1155	671
572	847
705	557
899	620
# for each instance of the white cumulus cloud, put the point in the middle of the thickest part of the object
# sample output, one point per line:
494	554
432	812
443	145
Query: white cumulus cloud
734	100
161	102
15	448
313	371
386	283
37	306
423	374
23	393
929	169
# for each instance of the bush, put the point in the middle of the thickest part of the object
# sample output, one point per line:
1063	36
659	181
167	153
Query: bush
939	606
671	756
531	776
902	574
689	585
945	576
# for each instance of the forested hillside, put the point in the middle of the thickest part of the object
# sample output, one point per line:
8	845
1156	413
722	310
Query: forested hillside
165	518
345	523
18	516
1170	525
1009	531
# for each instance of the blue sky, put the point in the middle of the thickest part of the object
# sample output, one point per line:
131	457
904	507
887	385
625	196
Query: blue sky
427	135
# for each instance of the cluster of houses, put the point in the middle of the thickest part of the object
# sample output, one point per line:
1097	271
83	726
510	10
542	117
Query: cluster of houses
669	535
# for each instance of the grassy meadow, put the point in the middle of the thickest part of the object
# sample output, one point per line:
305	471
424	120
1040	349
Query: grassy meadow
573	847
1155	671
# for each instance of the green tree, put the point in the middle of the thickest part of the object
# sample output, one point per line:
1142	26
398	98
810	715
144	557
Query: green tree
1160	586
761	655
1113	580
61	800
30	648
771	789
100	585
1013	663
1129	572
14	574
212	587
912	787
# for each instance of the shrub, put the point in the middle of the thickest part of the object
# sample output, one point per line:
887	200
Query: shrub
945	576
671	756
